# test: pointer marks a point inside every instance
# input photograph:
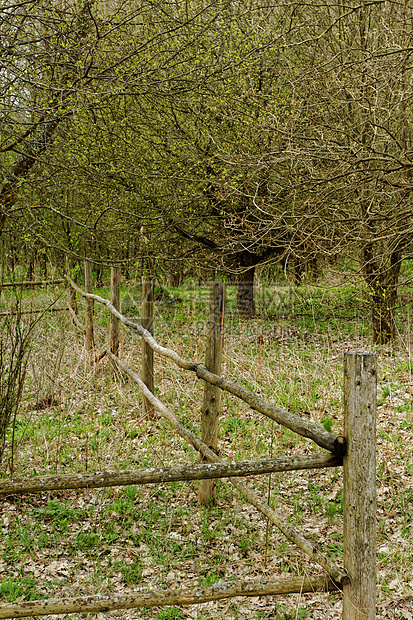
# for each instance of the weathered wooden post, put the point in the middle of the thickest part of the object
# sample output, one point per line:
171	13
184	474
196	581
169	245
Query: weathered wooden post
90	342
147	352
211	406
114	321
359	508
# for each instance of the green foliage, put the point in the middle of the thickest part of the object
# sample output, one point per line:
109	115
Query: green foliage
385	392
210	578
327	422
132	573
170	613
12	589
335	507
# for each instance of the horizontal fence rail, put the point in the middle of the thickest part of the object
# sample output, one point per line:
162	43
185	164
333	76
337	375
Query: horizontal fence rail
31	283
204	471
35	311
156	598
306	428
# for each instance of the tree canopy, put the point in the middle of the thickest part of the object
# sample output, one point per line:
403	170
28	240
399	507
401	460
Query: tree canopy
227	134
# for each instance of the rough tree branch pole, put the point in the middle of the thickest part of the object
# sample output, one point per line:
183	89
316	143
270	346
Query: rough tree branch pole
31	283
161	598
110	478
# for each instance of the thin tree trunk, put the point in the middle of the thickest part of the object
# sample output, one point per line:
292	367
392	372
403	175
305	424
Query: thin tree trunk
175	278
31	267
383	302
72	292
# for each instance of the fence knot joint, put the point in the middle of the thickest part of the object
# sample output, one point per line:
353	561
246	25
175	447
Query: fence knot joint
340	446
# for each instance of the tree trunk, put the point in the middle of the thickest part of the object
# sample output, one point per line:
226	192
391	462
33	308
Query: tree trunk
72	292
147	304
125	255
44	264
245	296
90	340
114	321
383	304
99	275
31	267
175	278
382	288
299	270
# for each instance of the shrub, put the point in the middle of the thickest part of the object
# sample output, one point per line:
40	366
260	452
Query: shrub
15	339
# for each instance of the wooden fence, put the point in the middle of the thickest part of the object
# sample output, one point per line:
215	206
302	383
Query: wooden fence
31	284
356	451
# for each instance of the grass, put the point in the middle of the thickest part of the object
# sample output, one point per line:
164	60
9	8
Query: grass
75	417
11	589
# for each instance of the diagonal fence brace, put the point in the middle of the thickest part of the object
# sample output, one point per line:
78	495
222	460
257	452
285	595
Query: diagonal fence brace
337	573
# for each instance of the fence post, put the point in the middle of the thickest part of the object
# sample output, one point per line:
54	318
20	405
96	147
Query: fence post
359	471
90	342
147	351
211	406
72	294
114	321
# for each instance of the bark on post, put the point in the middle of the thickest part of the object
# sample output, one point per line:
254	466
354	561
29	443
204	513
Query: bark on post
90	342
211	407
147	351
114	321
359	509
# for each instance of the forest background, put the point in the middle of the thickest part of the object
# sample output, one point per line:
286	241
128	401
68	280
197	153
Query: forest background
223	136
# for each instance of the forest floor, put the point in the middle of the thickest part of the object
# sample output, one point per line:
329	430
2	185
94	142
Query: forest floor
76	416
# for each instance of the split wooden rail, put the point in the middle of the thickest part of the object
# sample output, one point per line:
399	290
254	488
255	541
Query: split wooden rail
356	450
